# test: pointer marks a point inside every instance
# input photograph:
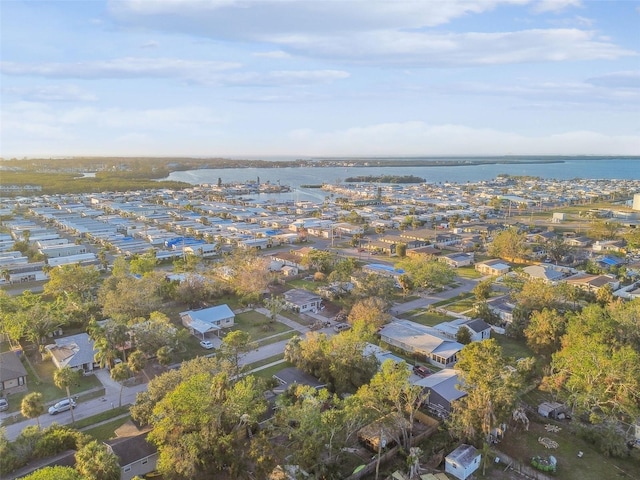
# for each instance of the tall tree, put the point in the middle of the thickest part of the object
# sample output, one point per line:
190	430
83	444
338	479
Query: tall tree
197	425
73	281
483	290
427	272
120	373
491	390
54	473
137	363
234	345
372	311
32	406
509	244
544	331
95	462
65	378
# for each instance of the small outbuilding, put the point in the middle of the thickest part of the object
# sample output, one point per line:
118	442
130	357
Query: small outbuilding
462	462
552	410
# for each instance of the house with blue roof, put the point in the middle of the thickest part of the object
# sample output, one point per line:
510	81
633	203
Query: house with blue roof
208	321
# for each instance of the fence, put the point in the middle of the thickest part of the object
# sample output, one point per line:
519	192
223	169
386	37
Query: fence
432	425
521	468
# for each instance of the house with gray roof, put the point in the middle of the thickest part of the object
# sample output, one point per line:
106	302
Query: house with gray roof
443	389
462	462
543	272
300	300
424	341
74	351
13	375
212	320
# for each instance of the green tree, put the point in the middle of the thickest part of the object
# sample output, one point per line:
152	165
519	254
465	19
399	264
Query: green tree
491	391
32	406
343	270
483	290
95	462
106	354
426	272
137	363
55	473
557	249
126	297
401	250
463	335
544	331
234	345
143	264
74	282
373	285
602	230
597	370
65	378
164	355
275	304
197	425
371	311
120	373
509	244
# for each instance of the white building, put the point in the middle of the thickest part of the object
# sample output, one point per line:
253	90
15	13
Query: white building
462	462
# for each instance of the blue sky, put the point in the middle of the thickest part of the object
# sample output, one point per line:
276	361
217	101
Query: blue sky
246	78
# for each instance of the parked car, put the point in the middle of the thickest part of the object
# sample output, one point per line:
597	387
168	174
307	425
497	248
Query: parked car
341	327
62	406
421	371
206	344
4	404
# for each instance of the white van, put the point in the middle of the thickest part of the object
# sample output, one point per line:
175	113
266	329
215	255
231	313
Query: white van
62	406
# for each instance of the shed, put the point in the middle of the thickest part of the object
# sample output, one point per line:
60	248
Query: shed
13	375
462	462
551	409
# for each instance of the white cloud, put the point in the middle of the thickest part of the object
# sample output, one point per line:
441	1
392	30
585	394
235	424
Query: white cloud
150	44
276	54
451	49
628	79
543	6
127	67
231	17
419	138
51	93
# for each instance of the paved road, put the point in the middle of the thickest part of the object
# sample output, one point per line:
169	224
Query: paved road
111	398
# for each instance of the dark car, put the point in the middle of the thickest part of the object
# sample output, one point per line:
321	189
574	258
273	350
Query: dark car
421	371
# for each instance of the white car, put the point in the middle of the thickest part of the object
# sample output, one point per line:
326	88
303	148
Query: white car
206	344
62	406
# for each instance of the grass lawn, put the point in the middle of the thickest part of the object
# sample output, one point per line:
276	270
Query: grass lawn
468	272
268	373
462	305
106	431
457	298
265	361
513	347
101	417
278	338
522	445
257	325
305	284
427	318
45	385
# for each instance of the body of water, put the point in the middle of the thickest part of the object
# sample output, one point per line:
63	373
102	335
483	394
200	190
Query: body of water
594	168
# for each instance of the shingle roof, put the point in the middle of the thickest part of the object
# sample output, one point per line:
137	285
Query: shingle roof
11	367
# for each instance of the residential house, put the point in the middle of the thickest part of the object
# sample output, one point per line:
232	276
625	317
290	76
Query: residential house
457	260
503	307
494	267
13	375
427	251
74	351
593	283
281	259
463	461
578	242
443	389
479	329
421	340
210	320
135	454
545	273
300	300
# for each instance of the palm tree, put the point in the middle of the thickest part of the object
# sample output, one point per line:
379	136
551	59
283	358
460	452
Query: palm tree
64	378
106	354
137	362
120	373
32	406
95	462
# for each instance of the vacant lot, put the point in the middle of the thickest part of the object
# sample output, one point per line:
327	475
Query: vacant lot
522	445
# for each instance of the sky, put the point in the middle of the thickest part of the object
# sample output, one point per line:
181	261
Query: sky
305	78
